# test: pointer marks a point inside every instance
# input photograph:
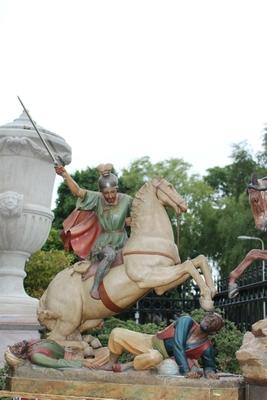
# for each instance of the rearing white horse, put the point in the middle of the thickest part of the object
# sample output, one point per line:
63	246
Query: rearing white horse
151	261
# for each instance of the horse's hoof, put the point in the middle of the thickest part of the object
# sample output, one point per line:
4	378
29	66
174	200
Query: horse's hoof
233	290
213	292
206	304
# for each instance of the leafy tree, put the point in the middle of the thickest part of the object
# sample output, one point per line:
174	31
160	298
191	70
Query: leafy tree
54	241
42	268
232	179
198	225
235	219
175	170
262	155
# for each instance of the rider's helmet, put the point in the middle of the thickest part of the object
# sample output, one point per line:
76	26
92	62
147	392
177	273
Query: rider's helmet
107	179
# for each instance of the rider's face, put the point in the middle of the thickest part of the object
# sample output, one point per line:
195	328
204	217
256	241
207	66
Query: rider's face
110	195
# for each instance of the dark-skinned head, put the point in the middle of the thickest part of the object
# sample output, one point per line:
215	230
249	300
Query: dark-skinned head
20	349
211	323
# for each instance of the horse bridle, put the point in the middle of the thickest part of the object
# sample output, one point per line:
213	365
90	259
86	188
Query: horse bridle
158	187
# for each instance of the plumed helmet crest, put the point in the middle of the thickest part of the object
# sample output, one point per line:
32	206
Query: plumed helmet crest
107	179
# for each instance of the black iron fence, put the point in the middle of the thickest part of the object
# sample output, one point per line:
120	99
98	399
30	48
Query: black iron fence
156	309
249	307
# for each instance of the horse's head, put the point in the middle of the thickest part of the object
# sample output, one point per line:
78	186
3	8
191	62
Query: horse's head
257	191
168	196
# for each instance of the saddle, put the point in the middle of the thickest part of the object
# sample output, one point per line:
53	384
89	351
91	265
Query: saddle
88	269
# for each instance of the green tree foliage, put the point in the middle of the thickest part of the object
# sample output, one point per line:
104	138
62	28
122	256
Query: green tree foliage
175	170
232	180
235	219
232	209
53	241
3	377
42	268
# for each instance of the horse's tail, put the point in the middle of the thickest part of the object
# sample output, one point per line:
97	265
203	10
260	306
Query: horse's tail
45	316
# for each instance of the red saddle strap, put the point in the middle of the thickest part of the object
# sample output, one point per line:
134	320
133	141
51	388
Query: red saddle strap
107	301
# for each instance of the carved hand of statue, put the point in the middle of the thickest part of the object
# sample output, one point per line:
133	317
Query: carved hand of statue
193	375
60	170
211	375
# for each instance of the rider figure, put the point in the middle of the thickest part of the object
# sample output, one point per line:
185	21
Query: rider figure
112	209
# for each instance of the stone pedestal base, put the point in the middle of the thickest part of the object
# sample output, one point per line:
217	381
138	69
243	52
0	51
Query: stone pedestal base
18	321
256	392
132	385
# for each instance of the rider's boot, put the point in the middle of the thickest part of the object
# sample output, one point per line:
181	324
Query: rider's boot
109	255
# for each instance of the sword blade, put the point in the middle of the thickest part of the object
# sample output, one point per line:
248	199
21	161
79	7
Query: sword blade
39	134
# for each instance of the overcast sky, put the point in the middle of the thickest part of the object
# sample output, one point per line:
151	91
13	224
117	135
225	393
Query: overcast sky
122	79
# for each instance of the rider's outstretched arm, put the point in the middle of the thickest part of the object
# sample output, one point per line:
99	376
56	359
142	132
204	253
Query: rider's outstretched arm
72	185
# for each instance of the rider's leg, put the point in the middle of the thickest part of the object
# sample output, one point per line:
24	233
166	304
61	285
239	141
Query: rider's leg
109	255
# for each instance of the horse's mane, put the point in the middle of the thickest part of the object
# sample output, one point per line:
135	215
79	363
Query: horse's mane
139	200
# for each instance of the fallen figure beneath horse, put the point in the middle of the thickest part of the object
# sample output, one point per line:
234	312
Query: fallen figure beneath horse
257	192
151	261
185	340
173	351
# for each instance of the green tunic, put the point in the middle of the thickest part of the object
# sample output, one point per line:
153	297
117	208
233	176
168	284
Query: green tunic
111	218
49	354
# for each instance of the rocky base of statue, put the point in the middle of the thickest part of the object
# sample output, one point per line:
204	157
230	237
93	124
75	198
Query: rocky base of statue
252	355
132	384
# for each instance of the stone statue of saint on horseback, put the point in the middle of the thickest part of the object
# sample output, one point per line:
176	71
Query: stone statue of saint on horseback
150	257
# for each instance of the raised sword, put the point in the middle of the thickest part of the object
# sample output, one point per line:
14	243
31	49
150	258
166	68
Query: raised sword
39	134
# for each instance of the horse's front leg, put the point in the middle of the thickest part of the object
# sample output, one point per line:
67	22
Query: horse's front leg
169	277
201	262
252	256
189	269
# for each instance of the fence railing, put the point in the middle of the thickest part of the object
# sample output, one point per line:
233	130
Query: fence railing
250	305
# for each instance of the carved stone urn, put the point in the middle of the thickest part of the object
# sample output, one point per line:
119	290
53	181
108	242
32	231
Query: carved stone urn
26	186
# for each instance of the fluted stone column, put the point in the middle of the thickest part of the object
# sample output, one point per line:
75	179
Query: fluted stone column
26	185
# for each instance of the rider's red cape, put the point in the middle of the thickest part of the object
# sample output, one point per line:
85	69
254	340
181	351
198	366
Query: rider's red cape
80	231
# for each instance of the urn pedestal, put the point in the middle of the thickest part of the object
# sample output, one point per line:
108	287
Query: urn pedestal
26	187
